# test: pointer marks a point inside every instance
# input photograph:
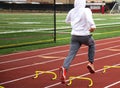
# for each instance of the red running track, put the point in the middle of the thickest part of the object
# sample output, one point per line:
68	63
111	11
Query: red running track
18	69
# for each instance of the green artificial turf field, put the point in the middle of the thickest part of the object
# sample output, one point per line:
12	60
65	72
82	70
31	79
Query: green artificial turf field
29	31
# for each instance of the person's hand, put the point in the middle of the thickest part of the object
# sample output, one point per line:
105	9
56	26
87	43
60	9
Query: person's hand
92	29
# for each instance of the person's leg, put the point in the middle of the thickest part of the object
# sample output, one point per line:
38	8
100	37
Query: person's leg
75	45
91	54
73	50
91	50
89	41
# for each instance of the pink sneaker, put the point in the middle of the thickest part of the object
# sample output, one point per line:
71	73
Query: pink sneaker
62	74
91	68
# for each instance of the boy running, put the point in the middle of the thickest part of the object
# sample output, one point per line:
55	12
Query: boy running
82	24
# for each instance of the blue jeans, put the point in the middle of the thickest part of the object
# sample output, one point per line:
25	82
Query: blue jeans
76	42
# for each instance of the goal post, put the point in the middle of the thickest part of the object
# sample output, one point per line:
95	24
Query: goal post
116	8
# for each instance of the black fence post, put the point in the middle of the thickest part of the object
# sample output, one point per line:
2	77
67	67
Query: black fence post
55	21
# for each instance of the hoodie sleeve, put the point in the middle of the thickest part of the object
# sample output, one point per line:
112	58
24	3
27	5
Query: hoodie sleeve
68	18
89	17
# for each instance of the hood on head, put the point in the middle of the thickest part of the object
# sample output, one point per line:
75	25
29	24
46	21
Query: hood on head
80	3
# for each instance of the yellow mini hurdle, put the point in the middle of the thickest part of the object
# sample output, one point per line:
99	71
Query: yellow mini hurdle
71	78
108	67
79	77
45	72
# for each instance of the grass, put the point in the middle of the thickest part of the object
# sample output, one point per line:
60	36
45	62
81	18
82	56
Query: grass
107	26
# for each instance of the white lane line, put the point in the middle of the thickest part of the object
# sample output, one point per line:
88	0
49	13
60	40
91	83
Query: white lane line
38	50
56	84
20	59
115	83
29	76
53	47
45	62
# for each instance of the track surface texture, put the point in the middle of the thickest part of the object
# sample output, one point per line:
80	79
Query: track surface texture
17	70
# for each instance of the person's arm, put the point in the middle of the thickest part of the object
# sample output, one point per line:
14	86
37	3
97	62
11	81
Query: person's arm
68	19
90	20
92	29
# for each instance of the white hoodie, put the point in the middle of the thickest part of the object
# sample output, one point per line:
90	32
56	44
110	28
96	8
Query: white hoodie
80	19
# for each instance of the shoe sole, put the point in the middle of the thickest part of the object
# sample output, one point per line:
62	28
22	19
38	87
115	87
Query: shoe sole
61	76
90	70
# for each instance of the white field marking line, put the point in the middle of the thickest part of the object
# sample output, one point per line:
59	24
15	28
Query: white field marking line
29	76
100	19
107	24
24	22
80	76
92	33
36	30
105	33
63	21
98	25
50	61
20	59
112	84
53	47
97	33
28	30
115	18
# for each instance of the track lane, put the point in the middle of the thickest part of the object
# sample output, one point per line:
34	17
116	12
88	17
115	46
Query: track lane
58	64
61	53
46	50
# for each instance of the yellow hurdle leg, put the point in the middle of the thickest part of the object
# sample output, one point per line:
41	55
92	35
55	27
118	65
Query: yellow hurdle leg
108	67
2	87
82	78
45	72
36	74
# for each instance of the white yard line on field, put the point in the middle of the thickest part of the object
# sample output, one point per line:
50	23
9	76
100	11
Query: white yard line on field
24	23
42	29
108	24
27	30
